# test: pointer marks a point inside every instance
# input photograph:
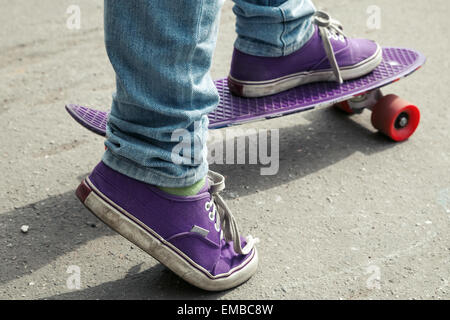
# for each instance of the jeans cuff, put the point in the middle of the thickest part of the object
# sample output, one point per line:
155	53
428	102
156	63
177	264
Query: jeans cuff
153	176
256	48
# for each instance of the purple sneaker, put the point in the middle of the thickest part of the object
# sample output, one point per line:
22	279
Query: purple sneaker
196	237
328	56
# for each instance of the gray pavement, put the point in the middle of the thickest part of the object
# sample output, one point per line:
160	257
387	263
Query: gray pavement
350	215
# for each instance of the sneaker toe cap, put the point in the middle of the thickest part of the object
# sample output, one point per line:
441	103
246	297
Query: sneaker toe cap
229	259
361	50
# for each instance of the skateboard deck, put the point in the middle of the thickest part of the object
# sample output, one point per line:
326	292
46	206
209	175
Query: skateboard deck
351	96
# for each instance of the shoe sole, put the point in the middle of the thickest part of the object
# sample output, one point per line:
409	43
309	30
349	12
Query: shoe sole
148	240
256	89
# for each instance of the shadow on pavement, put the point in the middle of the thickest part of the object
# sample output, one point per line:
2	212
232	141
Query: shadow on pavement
304	149
58	224
156	283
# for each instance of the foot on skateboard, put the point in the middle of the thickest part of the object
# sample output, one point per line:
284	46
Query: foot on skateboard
328	56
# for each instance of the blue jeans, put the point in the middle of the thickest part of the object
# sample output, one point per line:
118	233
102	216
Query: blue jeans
161	51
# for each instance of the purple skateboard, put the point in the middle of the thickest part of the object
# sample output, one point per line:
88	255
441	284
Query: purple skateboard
391	115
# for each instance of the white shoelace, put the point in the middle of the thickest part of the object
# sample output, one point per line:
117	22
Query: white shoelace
329	27
227	220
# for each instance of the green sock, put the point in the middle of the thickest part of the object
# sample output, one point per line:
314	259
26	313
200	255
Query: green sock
185	191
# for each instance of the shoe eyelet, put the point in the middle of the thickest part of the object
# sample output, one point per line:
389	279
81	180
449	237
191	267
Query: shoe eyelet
207	206
211	216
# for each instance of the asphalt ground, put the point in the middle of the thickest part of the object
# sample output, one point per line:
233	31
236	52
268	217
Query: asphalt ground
350	215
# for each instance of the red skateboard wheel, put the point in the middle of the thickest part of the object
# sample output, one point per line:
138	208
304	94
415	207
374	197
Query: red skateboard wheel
395	117
345	107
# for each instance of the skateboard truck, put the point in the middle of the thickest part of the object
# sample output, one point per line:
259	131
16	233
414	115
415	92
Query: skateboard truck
363	101
391	115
